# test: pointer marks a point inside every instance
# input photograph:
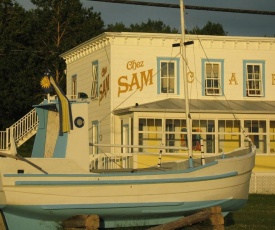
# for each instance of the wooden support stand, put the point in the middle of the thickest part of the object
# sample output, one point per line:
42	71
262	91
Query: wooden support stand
2	222
210	218
81	222
216	220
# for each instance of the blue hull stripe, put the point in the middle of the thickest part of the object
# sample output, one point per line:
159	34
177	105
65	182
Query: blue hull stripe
165	207
111	206
117	182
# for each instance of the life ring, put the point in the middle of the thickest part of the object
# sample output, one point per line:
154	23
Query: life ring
79	122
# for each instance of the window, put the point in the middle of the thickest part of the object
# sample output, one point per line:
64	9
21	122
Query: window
256	130
94	90
204	129
218	135
272	136
95	136
254	76
168	76
212	77
150	133
124	136
175	133
229	135
74	86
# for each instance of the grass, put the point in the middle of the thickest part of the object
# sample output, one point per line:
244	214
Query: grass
258	214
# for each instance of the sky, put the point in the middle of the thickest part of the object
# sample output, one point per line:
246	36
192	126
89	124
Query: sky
235	24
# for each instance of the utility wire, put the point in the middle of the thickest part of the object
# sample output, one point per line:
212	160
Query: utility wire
206	8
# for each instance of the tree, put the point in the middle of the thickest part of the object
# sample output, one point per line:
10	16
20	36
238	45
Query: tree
17	85
118	27
61	25
209	29
150	26
31	42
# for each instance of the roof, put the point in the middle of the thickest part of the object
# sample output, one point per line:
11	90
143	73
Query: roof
204	106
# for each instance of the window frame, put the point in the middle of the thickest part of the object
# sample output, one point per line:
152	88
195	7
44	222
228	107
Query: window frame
74	86
271	134
176	62
95	81
260	63
149	132
95	137
220	78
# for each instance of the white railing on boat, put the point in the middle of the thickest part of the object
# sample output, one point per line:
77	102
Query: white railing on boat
111	161
126	160
140	146
260	183
21	131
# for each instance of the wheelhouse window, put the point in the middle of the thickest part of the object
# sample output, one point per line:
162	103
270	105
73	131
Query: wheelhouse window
212	77
168	77
74	86
254	80
94	139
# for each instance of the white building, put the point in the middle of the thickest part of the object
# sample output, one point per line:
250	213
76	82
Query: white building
134	83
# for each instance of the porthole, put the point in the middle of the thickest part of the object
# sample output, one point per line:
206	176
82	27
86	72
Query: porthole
79	122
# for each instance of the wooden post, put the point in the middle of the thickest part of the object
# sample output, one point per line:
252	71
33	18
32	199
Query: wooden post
216	220
2	222
87	222
185	221
211	218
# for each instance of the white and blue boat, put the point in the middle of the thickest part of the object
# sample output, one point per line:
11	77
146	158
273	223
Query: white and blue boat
39	192
57	182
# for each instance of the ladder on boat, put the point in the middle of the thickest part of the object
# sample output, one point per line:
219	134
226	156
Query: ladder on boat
21	131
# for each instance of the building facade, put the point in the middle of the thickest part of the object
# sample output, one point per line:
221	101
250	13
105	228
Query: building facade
134	85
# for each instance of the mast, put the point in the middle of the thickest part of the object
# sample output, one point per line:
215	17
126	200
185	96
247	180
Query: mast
184	74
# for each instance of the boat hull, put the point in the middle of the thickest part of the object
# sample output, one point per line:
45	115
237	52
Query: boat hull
123	199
